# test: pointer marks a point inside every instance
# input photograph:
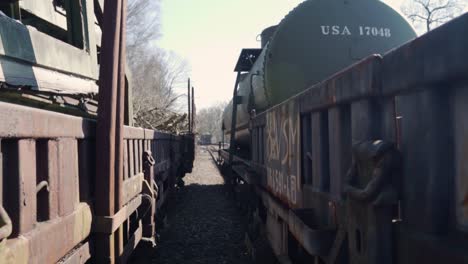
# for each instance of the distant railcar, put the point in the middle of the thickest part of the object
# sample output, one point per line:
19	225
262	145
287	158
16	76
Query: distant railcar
205	139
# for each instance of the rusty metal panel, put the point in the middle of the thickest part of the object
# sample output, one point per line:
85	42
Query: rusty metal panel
133	132
427	159
340	147
26	122
107	125
429	59
359	81
283	153
306	148
67	161
460	121
109	224
50	241
19	161
132	187
53	177
27	185
365	120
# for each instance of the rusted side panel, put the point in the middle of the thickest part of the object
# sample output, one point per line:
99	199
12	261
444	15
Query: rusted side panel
340	148
27	185
49	241
68	191
26	122
53	173
132	187
460	108
283	153
430	59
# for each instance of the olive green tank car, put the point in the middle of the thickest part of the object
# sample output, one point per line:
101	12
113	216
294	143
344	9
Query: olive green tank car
315	40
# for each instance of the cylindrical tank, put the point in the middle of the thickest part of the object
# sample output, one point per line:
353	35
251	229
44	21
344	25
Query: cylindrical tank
266	35
315	40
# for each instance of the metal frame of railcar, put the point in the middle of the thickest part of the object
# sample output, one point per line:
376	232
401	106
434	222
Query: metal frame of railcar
368	165
73	189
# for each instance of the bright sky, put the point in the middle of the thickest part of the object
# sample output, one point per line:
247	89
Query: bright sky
209	34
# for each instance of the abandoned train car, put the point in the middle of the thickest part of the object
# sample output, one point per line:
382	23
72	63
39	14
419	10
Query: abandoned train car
78	183
341	155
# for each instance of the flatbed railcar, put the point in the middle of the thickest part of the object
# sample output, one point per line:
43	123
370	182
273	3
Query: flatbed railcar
366	166
78	183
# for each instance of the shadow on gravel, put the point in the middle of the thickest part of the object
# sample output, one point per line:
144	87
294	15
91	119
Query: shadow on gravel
203	226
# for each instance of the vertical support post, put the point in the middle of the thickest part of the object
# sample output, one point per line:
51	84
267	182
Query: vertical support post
193	110
109	130
15	10
120	111
189	116
120	126
235	100
1	175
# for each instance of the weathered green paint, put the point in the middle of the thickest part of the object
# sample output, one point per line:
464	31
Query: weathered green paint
31	47
45	10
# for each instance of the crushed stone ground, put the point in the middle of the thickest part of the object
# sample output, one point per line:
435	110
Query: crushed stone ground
204	225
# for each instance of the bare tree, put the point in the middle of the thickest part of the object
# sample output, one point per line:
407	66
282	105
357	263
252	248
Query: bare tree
209	121
143	24
432	13
155	72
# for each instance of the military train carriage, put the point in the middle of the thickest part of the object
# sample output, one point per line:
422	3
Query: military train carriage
342	156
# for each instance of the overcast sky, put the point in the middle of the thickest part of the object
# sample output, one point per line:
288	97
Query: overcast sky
209	34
